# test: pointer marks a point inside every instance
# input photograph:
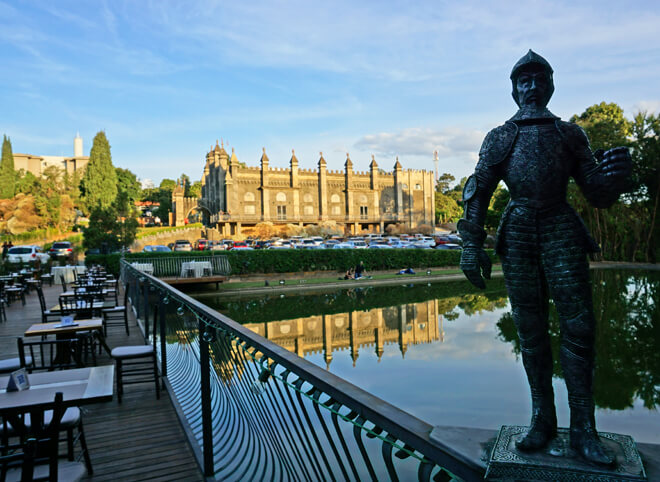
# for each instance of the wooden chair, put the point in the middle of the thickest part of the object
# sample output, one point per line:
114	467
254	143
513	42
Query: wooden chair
117	315
32	454
49	355
45	312
136	362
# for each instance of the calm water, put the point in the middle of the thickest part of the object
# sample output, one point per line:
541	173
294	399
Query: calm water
450	355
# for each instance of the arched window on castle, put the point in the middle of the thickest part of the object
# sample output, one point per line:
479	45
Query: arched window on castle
280	197
308	198
248	197
335	198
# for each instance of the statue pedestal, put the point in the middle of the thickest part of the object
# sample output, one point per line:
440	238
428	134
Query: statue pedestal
559	462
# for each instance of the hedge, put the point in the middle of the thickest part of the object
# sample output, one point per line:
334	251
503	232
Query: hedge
298	260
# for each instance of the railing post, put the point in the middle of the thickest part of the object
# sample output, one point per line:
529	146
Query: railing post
207	419
163	342
145	294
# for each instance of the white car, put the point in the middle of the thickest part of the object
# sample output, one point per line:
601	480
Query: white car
359	244
343	246
27	254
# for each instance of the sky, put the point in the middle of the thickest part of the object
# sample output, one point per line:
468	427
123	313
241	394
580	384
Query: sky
166	79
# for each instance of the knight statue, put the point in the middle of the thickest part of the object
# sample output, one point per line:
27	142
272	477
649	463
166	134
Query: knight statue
543	245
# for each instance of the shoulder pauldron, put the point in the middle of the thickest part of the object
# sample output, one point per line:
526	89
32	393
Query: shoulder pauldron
498	144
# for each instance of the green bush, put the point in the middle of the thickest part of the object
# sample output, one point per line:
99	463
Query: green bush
292	261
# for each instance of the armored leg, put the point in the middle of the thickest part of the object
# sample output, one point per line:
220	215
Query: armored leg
568	278
529	302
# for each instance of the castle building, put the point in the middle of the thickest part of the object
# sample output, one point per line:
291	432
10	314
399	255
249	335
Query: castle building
68	164
235	196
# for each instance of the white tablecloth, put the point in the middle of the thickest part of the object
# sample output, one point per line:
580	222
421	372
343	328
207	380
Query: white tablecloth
197	267
67	272
144	267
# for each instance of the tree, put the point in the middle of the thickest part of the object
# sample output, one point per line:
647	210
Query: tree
107	232
446	205
7	173
605	125
98	187
195	189
128	191
627	231
498	202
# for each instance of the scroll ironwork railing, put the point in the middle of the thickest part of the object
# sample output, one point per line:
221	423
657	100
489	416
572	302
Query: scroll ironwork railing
255	411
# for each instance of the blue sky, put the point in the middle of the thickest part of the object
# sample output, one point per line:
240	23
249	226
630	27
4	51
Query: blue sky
165	79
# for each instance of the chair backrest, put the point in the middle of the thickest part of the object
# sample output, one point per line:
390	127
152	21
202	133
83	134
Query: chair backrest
36	444
78	305
42	300
63	282
50	355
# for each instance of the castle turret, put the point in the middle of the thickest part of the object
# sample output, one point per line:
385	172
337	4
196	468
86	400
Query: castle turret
323	188
78	146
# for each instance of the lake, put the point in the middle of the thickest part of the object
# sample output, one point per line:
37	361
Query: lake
449	354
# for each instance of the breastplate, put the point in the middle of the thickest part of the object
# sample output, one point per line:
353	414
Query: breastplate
539	164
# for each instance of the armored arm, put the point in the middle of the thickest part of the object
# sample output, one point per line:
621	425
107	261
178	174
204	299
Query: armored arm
602	176
476	196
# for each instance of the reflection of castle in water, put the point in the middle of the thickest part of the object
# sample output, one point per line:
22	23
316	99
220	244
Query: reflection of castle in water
405	325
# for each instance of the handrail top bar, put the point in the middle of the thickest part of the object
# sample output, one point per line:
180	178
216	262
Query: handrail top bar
403	425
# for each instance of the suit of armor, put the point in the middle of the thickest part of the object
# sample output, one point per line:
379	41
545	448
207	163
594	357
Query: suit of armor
543	245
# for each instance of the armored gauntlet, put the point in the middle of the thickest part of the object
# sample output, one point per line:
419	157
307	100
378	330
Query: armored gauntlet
474	259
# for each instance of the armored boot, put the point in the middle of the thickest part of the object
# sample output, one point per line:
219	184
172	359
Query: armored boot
578	363
538	366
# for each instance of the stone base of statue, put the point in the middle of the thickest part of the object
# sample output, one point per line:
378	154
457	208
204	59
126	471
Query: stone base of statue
559	462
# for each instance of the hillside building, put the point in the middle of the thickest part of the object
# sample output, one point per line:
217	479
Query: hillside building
38	164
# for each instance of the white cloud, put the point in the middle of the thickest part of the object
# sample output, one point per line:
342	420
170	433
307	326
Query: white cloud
454	142
650	106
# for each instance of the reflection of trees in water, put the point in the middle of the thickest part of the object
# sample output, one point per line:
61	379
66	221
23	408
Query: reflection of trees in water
449	295
627	338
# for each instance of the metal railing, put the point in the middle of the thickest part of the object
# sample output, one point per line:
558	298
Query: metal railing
255	411
172	266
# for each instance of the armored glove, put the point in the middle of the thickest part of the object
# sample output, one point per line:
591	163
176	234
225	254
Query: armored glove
615	164
474	260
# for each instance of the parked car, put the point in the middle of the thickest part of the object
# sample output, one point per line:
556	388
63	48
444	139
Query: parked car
448	246
156	248
26	254
343	246
61	250
357	244
182	245
202	244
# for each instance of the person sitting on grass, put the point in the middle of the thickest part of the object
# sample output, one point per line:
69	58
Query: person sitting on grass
349	274
359	270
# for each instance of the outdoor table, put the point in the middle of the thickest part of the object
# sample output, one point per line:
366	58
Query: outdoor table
197	267
80	386
64	332
67	272
144	267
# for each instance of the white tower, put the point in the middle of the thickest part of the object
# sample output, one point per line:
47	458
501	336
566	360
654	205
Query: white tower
77	146
435	162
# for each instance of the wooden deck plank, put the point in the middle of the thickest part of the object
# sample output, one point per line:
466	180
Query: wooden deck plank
139	439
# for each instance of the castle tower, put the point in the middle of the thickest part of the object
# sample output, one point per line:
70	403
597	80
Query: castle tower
436	172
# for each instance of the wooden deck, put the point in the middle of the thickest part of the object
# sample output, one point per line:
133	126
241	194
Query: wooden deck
139	439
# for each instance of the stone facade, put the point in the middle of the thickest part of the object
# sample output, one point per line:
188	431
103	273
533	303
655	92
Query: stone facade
236	196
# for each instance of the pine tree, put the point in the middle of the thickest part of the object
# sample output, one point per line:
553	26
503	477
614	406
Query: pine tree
7	173
98	187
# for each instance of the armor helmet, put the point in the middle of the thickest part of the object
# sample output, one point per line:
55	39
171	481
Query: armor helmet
530	59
